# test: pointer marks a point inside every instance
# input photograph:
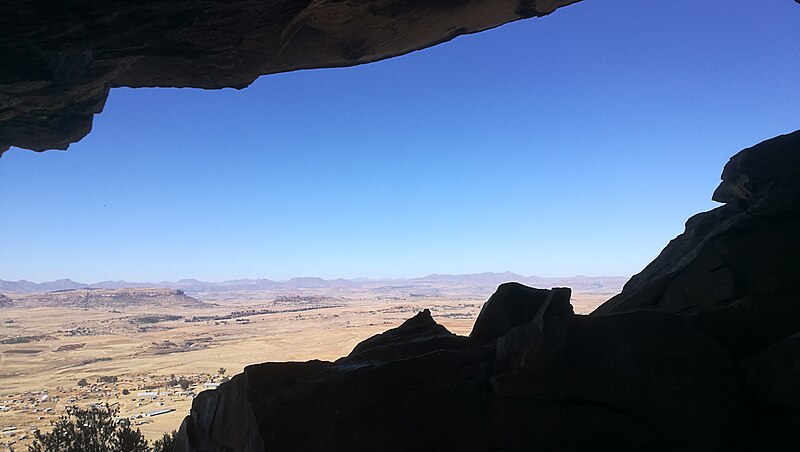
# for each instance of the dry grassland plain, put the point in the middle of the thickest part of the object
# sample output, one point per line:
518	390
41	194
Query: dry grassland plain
47	350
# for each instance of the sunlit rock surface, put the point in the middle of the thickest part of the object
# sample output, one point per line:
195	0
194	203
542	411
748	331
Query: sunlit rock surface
701	351
58	59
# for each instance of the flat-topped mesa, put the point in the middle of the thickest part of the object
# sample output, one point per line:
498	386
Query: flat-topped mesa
110	298
58	60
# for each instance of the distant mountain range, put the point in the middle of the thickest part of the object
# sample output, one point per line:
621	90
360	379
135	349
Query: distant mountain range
599	284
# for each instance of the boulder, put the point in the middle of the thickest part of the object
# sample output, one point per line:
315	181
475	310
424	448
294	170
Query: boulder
514	304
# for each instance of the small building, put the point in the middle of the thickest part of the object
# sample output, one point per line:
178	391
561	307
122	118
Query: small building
159	412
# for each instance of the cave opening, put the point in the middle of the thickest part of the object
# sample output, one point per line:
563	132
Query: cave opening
575	145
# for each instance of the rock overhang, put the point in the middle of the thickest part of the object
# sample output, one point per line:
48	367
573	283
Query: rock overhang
58	61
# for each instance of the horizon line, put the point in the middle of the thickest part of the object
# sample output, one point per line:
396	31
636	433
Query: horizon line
165	281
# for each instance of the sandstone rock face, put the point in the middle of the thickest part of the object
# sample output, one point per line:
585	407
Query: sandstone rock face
701	351
58	60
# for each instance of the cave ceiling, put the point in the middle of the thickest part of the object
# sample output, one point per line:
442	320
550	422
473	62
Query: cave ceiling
58	60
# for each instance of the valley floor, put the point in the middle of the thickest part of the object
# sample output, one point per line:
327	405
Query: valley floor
45	351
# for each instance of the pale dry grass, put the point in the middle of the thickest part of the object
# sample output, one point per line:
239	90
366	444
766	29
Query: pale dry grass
118	349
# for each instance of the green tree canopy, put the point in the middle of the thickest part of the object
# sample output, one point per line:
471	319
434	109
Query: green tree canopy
96	429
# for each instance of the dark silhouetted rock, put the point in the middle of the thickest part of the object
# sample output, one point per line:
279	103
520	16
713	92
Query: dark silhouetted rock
514	304
222	420
773	393
700	351
746	247
417	335
640	381
58	60
4	301
773	375
733	275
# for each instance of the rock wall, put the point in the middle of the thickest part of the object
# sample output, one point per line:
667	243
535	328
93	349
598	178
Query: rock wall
735	270
58	59
554	382
701	351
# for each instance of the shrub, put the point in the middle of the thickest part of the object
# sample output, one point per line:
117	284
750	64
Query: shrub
166	443
91	429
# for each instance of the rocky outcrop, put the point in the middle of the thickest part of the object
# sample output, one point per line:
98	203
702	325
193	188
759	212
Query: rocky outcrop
4	301
701	351
734	270
746	247
514	304
640	381
733	275
59	60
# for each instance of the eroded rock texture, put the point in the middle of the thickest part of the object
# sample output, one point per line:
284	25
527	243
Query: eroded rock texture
700	352
58	59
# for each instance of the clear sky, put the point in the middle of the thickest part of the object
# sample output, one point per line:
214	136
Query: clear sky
578	143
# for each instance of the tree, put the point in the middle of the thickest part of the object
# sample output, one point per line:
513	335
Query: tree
125	391
82	382
184	383
166	443
221	371
92	429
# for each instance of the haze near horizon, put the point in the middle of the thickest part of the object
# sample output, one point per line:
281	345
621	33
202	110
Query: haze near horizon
577	143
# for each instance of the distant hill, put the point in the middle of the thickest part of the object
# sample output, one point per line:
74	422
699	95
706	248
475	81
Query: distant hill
108	298
604	284
423	285
23	286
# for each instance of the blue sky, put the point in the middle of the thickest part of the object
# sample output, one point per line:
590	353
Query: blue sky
578	143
